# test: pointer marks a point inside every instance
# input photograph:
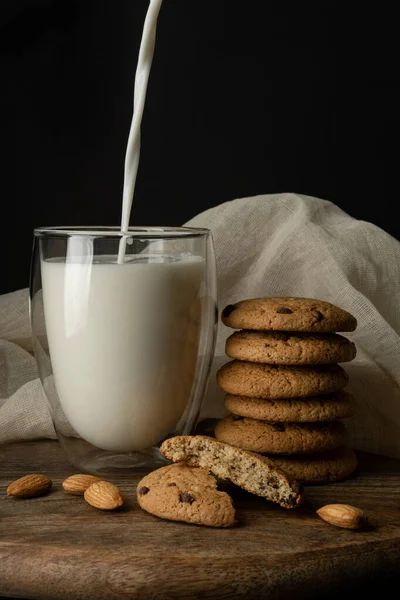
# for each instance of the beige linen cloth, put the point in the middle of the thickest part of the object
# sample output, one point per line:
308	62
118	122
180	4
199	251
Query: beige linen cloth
270	245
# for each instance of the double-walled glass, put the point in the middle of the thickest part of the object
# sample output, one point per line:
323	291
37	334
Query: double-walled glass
124	330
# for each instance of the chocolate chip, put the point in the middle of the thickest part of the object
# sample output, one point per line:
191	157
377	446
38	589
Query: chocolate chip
282	310
320	316
277	427
171	484
228	310
266	345
290	500
253	466
296	487
143	490
237	418
185	497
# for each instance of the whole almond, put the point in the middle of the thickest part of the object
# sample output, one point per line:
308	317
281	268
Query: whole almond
103	495
342	515
78	484
30	486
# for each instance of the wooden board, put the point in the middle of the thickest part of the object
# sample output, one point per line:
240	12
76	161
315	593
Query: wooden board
57	546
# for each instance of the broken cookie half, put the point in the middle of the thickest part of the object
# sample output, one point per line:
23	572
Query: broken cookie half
183	493
248	470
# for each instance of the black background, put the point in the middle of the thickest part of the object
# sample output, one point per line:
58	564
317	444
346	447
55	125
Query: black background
246	97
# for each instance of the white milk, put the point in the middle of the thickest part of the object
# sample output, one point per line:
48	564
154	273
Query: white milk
123	342
123	338
132	155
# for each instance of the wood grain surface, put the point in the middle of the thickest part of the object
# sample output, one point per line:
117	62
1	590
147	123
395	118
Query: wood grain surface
57	546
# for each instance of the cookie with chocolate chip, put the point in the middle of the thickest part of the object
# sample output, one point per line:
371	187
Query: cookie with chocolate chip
259	380
329	407
323	467
180	492
252	472
280	438
287	314
289	348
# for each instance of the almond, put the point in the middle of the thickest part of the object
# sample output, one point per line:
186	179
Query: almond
104	495
30	486
78	484
342	515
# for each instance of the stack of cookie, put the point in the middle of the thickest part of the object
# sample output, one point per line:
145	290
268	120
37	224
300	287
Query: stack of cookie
284	387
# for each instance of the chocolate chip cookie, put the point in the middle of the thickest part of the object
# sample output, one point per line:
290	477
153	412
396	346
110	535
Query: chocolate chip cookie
330	407
288	314
280	438
287	348
255	380
183	493
252	472
334	465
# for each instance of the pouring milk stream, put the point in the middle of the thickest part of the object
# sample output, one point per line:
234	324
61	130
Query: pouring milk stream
117	327
132	155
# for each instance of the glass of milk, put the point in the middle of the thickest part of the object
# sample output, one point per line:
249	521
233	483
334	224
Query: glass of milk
123	347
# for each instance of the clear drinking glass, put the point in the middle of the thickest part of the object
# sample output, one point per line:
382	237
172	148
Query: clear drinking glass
123	348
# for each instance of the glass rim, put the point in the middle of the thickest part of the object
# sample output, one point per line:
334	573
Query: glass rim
152	232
